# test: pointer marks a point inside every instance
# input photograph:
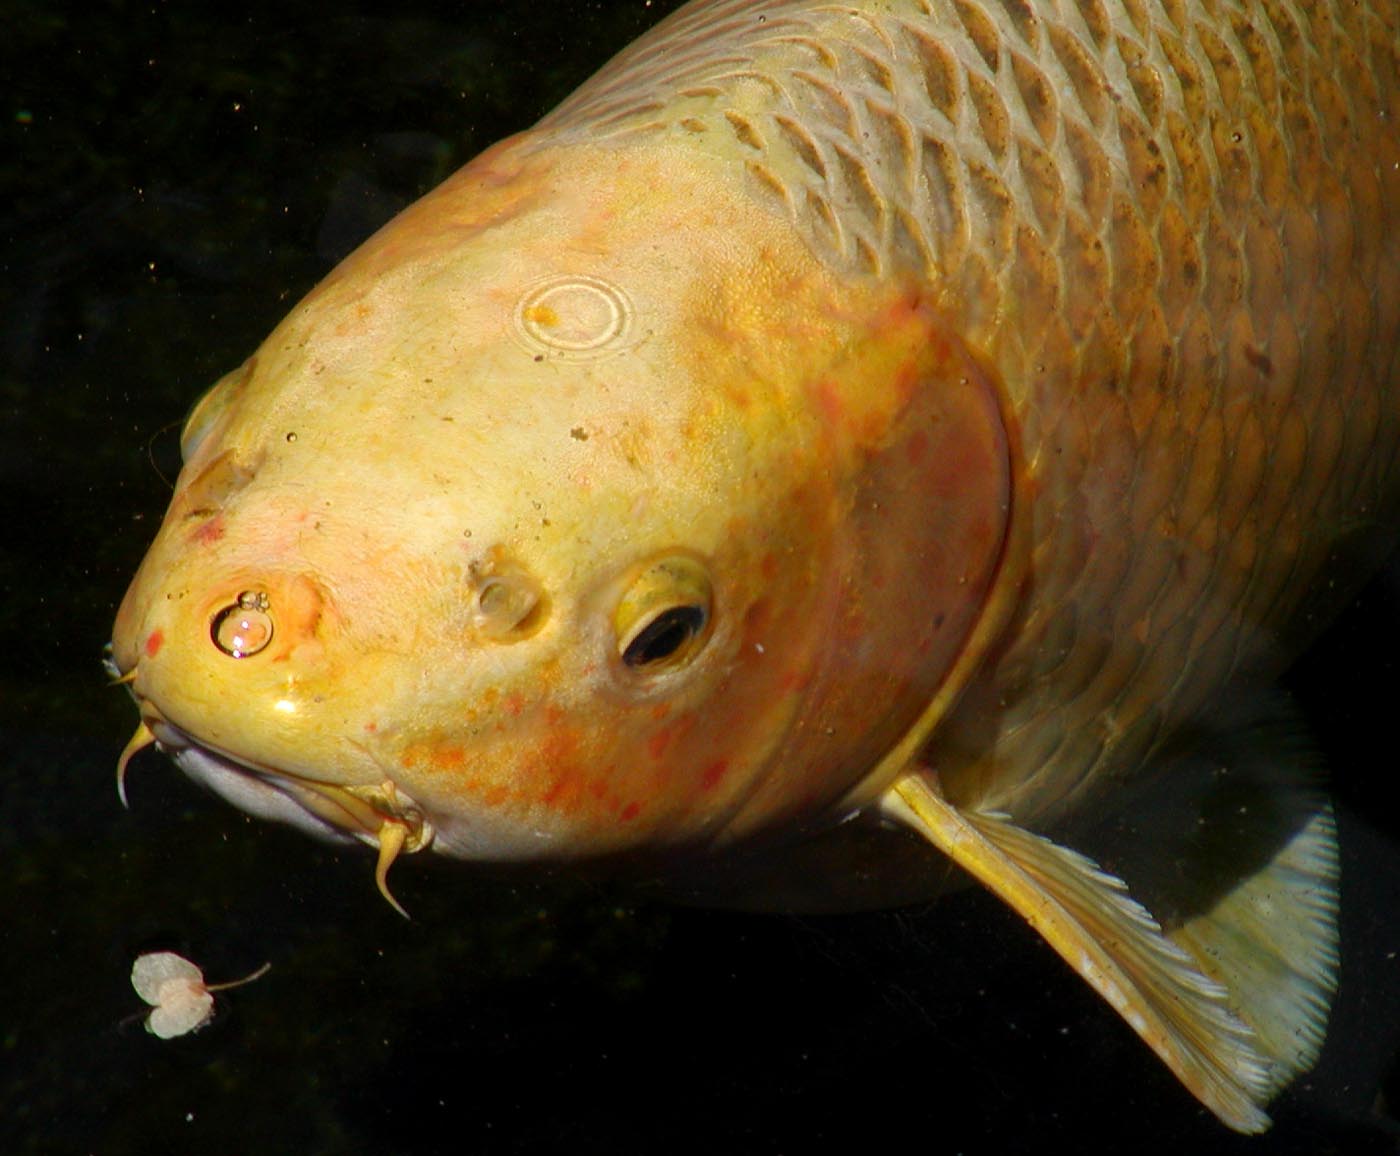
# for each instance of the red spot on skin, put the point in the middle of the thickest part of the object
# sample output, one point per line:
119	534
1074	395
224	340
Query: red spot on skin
660	710
210	532
154	641
710	777
768	567
554	762
661	742
829	399
630	811
371	727
553	715
657	744
514	703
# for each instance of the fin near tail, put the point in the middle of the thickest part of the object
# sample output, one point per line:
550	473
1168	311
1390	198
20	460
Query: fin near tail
1234	1001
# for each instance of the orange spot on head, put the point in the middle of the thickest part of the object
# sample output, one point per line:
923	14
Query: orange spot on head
630	811
154	641
448	758
514	703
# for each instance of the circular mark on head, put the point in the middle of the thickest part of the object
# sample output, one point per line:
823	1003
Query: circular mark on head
575	315
245	627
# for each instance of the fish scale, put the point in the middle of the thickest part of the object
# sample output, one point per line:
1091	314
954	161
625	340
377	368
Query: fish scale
1043	167
837	413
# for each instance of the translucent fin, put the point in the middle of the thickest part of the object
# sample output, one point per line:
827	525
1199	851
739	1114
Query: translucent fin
1231	844
1272	942
1087	916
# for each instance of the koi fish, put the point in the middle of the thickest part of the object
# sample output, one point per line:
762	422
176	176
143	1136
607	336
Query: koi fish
837	417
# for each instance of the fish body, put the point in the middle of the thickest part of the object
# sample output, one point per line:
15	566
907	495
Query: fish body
906	409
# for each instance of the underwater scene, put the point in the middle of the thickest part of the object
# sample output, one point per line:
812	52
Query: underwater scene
175	178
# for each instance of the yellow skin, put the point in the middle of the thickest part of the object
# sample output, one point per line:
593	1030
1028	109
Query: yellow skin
401	441
899	408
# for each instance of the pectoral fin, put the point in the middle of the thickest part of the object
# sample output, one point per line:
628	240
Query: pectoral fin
1087	916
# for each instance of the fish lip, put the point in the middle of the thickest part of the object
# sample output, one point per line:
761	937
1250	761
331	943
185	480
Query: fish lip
251	789
326	811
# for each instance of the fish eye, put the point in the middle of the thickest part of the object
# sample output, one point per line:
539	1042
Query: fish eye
664	635
204	415
661	621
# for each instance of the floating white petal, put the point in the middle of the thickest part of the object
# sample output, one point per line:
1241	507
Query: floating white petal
175	989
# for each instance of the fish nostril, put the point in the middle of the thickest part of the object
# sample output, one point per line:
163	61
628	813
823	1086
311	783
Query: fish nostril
245	627
508	606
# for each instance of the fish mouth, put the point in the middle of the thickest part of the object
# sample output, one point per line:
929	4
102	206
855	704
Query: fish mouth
380	815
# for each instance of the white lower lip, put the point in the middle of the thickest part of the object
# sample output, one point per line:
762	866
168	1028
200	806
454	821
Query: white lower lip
254	792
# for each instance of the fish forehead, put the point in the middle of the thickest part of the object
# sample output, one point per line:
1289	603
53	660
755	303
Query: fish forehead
527	363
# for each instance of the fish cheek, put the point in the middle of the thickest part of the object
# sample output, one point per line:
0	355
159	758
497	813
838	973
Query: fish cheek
928	507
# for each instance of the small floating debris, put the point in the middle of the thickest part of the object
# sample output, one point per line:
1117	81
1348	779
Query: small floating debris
180	1000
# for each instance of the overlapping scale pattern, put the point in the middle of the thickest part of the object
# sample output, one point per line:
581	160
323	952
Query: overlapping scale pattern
1171	228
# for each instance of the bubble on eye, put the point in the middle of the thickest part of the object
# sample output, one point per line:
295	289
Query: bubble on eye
245	627
181	1002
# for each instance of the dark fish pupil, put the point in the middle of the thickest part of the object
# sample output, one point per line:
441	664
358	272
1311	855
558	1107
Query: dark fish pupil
664	635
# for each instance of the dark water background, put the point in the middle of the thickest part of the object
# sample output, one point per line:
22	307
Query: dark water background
172	178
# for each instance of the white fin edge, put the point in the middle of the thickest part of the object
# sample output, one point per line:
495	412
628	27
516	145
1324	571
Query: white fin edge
1272	941
1112	941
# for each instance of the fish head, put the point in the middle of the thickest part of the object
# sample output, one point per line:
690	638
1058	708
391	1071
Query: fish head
581	511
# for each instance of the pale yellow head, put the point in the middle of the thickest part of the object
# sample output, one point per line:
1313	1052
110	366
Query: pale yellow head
582	510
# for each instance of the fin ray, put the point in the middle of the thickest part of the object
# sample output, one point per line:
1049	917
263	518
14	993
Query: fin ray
1272	942
1087	916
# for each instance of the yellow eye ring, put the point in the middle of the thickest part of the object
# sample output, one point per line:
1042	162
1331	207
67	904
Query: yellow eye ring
662	620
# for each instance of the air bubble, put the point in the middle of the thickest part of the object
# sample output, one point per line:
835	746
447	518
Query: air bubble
244	628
